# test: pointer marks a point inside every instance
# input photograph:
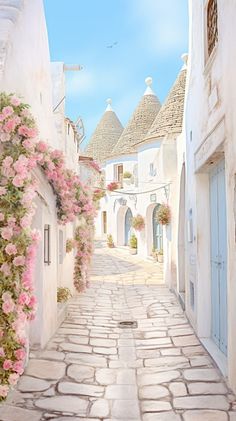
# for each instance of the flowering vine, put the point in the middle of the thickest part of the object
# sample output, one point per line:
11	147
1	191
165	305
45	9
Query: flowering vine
20	153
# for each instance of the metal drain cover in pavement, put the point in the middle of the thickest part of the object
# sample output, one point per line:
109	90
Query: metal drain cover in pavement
128	324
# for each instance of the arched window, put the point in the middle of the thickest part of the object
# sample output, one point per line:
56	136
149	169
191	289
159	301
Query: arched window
212	25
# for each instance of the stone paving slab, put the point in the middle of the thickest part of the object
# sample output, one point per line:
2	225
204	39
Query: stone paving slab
93	370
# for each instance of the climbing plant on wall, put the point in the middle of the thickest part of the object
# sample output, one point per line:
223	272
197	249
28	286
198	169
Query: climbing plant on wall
20	153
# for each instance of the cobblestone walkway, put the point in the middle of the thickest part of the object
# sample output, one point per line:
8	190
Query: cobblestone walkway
92	370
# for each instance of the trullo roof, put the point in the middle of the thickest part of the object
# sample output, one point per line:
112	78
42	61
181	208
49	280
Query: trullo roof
139	123
105	136
169	120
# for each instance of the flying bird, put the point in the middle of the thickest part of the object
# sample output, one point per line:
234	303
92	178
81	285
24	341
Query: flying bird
112	45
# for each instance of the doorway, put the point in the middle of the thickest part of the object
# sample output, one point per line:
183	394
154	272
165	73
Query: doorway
218	229
157	231
128	226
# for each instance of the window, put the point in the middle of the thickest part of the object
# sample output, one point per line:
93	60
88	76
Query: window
192	297
104	222
212	26
152	171
61	247
119	174
47	244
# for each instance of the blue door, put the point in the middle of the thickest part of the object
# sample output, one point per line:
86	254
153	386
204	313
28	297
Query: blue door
157	231
128	226
218	256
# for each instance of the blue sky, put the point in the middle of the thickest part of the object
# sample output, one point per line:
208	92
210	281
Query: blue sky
151	35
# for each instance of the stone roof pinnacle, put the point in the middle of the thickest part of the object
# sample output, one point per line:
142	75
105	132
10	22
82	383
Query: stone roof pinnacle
149	90
109	102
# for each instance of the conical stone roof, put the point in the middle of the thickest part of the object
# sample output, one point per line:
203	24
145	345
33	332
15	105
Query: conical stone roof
169	120
139	123
105	136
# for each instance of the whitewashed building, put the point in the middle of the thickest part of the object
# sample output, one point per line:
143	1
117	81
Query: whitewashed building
25	69
211	182
147	150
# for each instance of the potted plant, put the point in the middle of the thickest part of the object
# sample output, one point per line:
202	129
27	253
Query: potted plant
133	243
127	177
155	253
160	256
114	185
138	222
110	242
63	294
163	214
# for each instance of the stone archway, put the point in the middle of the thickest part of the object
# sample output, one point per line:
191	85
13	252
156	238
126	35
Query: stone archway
151	230
121	225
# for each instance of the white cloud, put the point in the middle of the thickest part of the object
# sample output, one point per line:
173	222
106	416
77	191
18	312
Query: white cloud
79	83
162	24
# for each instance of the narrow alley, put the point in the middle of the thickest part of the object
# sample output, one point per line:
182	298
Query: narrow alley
125	352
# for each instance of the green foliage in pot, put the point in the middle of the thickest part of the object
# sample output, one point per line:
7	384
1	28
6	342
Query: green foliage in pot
127	174
110	241
133	242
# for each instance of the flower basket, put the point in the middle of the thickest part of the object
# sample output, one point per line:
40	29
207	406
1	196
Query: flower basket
163	214
112	186
138	223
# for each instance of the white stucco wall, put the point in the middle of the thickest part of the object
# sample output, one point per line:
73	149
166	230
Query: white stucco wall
210	135
26	61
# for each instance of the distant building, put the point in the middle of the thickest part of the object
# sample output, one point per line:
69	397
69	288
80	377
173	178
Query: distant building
144	164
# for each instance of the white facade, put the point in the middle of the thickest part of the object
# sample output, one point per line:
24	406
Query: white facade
210	190
25	69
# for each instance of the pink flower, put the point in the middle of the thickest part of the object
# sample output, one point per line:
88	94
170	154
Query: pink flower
5	137
20	166
5	268
42	146
7	365
28	144
1	215
19	261
6	296
13	378
23	299
11	249
7	233
4	389
2	352
27	131
8	306
18	181
11	221
33	301
8	172
7	162
18	367
7	111
25	221
20	354
10	125
3	191
15	101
